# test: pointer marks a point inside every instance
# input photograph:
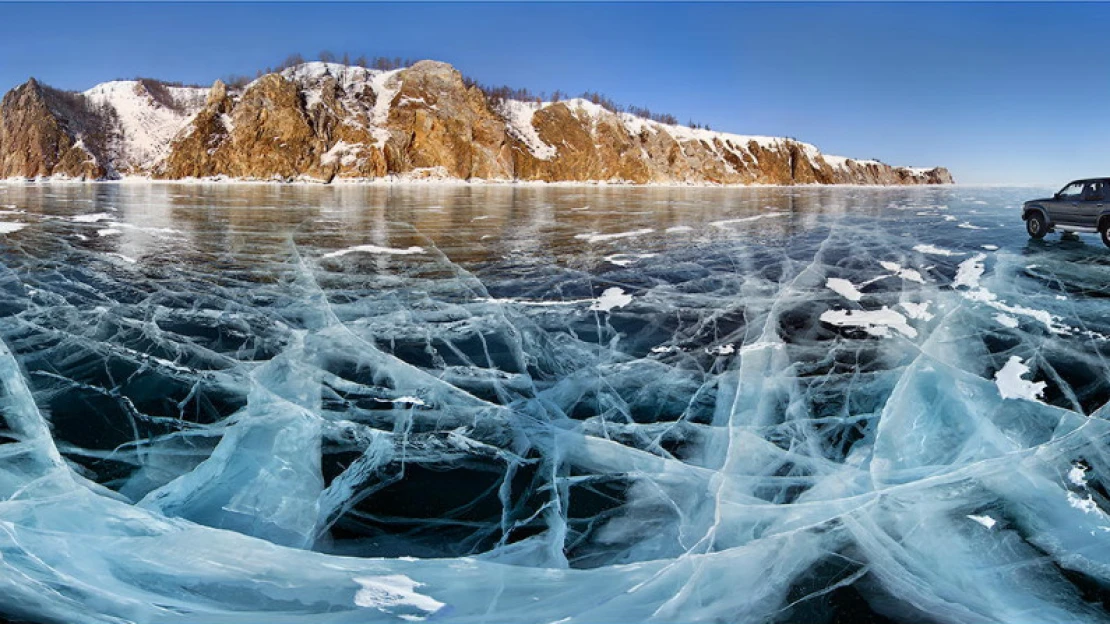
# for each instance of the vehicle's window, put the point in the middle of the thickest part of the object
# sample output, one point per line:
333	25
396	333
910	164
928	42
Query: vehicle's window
1095	191
1072	191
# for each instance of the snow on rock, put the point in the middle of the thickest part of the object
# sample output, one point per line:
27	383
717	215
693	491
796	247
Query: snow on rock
353	81
312	76
346	153
1011	384
386	86
147	124
518	118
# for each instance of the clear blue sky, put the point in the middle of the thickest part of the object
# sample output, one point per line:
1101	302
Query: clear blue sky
999	93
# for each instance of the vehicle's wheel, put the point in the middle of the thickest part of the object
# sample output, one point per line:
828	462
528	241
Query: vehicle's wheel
1036	226
1105	234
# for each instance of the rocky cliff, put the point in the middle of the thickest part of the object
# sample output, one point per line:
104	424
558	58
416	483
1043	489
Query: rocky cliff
325	122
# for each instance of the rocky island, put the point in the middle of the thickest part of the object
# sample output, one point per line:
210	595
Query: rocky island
325	122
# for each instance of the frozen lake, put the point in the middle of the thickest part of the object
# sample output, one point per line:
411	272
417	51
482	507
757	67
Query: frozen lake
254	403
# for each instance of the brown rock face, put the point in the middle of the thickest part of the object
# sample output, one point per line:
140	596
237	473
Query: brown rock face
270	132
586	149
192	152
44	132
326	121
265	135
435	121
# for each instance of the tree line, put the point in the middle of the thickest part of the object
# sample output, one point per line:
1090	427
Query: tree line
496	95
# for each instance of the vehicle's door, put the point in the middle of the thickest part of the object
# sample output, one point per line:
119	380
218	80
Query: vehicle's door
1094	198
1065	207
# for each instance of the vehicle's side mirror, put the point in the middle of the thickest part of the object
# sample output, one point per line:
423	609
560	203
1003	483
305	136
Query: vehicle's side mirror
1055	196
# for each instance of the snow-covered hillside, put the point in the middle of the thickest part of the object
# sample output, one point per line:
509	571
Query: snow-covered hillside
325	121
147	125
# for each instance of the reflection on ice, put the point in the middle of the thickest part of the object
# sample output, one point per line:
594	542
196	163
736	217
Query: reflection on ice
286	414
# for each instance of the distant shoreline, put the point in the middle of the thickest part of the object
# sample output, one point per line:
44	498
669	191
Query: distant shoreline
446	183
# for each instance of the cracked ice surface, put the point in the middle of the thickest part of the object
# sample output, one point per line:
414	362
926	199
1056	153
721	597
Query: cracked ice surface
263	404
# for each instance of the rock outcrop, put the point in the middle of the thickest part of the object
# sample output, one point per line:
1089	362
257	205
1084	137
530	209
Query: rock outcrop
45	132
325	122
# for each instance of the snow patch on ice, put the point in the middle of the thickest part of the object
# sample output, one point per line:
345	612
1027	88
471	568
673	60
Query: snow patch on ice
1078	475
1086	505
405	400
910	275
625	259
1012	386
918	311
935	251
611	299
986	521
91	218
375	249
875	322
970	271
394	591
723	224
844	288
599	238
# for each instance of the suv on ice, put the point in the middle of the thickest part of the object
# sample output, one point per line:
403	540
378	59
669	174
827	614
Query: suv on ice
1081	206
